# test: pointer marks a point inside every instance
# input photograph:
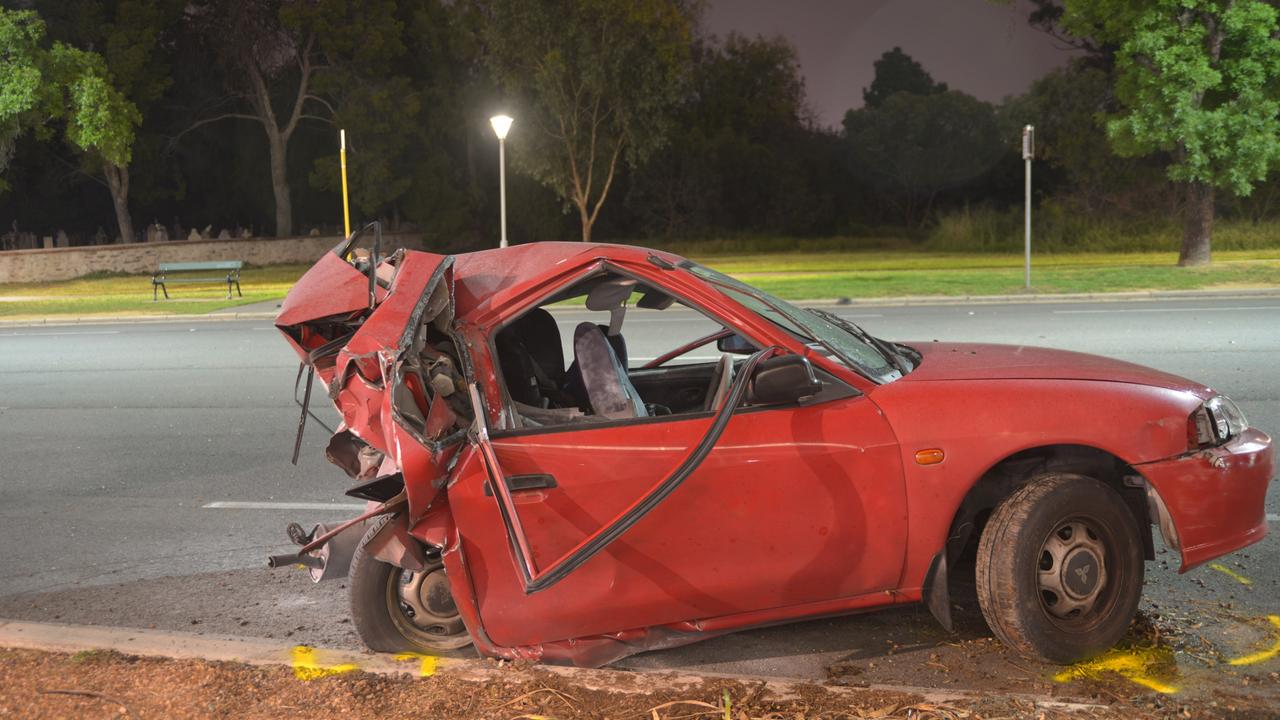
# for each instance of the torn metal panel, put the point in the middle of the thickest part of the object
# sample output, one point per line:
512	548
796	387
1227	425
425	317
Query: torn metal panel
356	457
393	545
331	288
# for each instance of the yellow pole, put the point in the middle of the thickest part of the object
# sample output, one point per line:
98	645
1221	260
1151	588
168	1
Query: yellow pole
346	207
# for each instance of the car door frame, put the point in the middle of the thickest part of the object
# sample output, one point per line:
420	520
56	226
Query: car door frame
742	321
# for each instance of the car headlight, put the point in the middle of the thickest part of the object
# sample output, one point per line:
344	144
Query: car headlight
1215	422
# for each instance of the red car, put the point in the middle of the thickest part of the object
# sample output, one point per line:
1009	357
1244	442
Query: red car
548	497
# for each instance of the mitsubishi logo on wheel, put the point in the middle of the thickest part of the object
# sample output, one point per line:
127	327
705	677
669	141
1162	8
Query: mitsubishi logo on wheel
1082	572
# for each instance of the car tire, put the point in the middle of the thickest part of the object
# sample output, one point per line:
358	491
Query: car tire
395	610
1060	568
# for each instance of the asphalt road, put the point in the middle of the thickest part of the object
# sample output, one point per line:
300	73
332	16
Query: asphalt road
114	438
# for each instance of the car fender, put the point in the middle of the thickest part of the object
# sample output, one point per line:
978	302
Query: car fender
977	424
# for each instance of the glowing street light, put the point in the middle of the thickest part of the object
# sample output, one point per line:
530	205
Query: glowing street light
501	126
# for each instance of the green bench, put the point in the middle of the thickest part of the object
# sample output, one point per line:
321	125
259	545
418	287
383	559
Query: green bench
160	279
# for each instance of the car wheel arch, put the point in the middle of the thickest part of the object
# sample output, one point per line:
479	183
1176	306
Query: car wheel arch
1002	480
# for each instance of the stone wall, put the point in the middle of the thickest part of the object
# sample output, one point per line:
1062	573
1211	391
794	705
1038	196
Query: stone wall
73	262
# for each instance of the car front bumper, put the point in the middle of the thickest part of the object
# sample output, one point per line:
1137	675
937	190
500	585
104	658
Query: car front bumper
1216	498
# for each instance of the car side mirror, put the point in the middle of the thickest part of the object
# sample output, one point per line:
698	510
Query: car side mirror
783	379
735	344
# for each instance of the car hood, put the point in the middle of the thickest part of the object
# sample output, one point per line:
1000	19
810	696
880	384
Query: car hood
974	361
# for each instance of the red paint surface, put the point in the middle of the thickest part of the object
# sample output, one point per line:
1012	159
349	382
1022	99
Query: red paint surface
331	287
978	361
797	512
1217	510
785	511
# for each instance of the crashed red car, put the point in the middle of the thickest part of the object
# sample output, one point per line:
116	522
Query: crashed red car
547	497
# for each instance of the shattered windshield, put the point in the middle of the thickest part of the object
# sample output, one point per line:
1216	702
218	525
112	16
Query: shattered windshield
842	340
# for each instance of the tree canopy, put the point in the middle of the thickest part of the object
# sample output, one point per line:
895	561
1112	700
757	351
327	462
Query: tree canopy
596	80
1198	80
897	72
55	83
741	154
914	146
632	122
21	78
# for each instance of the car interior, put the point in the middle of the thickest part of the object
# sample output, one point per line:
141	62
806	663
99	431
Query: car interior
560	378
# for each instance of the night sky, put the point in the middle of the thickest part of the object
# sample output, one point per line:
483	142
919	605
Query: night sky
982	48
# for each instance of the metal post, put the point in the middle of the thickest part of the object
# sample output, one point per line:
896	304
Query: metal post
1028	149
346	206
502	184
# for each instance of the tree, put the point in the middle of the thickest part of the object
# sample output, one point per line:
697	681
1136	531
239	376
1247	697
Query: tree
1047	17
742	152
1067	106
1200	80
898	72
410	134
21	78
129	34
913	147
281	62
594	81
73	86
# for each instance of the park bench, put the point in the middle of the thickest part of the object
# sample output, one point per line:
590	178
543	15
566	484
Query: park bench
161	276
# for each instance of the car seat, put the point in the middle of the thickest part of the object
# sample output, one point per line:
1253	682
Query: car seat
608	390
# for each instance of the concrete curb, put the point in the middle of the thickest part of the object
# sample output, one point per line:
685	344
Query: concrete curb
899	301
64	638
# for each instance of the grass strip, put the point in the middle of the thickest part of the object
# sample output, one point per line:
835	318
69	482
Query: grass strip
796	276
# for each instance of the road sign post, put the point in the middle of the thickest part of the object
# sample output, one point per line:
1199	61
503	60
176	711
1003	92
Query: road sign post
1028	151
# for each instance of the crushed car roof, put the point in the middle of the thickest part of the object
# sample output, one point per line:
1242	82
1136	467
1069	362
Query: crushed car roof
488	278
484	280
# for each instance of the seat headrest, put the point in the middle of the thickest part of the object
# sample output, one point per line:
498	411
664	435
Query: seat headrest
609	391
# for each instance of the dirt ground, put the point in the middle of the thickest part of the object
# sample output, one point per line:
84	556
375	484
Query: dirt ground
1179	660
109	685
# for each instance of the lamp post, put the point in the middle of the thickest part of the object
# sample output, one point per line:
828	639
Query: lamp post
501	125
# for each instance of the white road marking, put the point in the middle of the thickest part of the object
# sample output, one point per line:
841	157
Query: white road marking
1272	517
238	505
56	334
1162	310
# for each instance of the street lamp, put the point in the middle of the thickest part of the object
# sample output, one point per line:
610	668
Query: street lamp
501	125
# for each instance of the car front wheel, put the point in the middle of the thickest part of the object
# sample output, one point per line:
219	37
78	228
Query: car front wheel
1060	568
397	610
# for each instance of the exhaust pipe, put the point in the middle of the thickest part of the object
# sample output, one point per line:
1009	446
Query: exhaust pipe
330	561
310	562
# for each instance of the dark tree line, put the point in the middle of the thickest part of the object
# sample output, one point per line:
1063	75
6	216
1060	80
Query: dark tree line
631	122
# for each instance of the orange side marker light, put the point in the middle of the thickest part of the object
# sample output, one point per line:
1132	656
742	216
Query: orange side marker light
932	456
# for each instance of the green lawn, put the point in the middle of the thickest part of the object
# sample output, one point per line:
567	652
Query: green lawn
860	260
796	275
131	294
1052	278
